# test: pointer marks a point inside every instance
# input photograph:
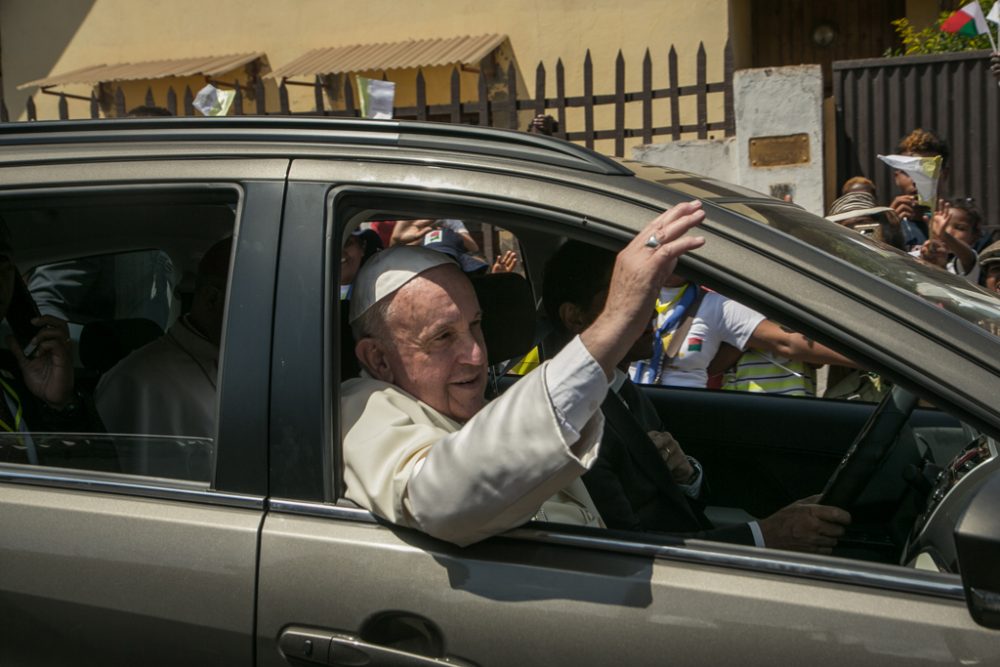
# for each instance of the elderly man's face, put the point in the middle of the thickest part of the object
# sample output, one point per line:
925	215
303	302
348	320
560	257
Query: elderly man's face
438	353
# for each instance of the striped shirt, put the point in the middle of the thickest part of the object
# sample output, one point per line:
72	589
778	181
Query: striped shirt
759	372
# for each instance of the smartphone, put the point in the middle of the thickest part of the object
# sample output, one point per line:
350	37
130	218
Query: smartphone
22	310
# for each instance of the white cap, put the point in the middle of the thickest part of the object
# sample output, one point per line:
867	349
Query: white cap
386	271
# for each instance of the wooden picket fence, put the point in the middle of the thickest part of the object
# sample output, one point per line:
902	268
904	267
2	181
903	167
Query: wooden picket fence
503	113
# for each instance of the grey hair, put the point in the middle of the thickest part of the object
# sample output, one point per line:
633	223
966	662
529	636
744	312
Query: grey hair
374	322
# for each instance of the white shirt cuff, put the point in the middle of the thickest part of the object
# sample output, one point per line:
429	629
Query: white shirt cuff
576	386
693	490
758	537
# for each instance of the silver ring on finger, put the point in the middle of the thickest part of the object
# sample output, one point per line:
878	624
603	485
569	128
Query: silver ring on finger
653	242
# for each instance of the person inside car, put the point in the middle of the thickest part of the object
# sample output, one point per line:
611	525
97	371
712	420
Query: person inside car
421	446
642	480
168	386
691	326
37	379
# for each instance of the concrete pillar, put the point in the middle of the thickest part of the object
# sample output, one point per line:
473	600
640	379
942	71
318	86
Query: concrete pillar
774	107
779	125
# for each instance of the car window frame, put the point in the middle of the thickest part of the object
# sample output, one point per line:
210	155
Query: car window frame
235	484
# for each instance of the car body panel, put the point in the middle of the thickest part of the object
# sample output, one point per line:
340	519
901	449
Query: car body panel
509	601
110	579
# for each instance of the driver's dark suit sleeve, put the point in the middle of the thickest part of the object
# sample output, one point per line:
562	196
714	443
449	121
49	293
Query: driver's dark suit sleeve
632	487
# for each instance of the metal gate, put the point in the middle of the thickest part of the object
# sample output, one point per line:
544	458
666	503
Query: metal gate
880	100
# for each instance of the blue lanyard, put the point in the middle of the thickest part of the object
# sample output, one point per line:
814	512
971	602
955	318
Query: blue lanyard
670	324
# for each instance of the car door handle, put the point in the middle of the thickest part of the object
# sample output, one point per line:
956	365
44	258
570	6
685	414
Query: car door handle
304	646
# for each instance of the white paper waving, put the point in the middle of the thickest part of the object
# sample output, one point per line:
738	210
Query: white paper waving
925	172
212	101
377	97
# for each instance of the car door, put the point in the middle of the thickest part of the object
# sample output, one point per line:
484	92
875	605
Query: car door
140	565
338	586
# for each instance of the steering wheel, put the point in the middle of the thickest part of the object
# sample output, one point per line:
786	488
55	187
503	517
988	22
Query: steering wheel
869	449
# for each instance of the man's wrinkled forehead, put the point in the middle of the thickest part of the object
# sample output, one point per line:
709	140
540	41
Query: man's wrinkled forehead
388	271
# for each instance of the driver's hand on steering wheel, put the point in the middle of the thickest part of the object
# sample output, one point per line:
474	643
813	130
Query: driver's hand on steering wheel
805	526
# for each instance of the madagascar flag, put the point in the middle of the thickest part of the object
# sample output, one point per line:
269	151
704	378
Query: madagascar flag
968	21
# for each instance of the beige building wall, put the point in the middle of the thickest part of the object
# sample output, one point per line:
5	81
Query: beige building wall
43	37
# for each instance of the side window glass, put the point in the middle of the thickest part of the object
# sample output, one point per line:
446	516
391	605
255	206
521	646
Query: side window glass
109	359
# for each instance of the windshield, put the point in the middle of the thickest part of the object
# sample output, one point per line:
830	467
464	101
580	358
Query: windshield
946	290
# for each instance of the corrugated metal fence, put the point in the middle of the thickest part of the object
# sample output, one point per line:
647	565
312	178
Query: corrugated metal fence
879	101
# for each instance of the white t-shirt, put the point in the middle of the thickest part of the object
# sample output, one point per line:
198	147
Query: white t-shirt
456	226
719	320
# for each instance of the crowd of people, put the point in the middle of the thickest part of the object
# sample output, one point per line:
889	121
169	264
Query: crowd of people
949	233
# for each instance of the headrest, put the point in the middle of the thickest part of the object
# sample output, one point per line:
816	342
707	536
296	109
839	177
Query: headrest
508	315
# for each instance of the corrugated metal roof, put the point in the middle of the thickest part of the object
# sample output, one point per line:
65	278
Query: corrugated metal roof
152	69
392	55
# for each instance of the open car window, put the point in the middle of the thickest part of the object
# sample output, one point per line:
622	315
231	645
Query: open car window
763	452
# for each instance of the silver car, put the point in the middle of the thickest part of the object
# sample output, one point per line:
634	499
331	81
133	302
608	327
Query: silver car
234	547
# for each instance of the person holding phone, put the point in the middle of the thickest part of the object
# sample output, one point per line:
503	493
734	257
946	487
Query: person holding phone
36	379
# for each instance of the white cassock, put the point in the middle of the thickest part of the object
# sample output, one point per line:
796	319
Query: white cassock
164	388
520	457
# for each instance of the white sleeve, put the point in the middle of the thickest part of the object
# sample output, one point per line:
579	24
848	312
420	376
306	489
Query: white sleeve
454	225
405	463
576	386
693	489
739	323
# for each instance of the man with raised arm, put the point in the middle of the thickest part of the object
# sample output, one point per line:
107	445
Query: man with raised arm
422	448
